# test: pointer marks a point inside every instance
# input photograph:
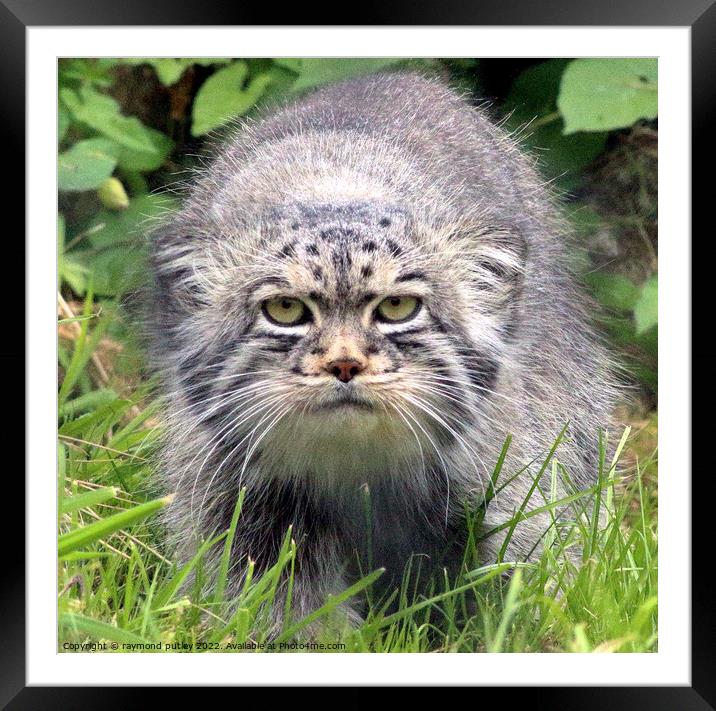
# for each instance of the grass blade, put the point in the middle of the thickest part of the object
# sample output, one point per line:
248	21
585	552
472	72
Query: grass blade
99	529
170	588
88	402
511	605
495	570
331	604
100	630
88	499
226	553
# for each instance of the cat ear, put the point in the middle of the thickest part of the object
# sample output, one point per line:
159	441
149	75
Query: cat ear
499	269
175	292
499	259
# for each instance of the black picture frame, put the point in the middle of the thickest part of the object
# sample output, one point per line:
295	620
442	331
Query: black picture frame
699	15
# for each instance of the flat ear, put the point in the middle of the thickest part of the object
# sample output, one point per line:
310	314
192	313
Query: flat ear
499	261
174	293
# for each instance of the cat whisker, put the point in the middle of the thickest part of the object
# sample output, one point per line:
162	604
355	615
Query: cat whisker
282	412
445	468
220	400
267	429
225	431
392	403
212	381
272	406
443	391
429	410
451	382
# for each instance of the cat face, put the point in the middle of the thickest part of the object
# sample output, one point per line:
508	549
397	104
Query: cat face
343	313
344	339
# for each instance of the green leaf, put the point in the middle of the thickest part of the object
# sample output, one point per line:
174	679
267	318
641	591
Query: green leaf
86	165
646	310
63	123
605	94
68	271
282	79
225	95
533	93
168	69
112	229
102	113
75	274
289	63
113	195
141	149
97	72
112	271
316	71
615	291
146	161
116	252
136	182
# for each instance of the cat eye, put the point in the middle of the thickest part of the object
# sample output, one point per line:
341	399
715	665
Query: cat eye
394	309
285	311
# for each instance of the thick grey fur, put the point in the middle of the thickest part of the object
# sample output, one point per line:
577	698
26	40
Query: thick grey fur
398	176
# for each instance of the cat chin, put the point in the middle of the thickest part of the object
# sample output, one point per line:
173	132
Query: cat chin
341	444
340	425
340	415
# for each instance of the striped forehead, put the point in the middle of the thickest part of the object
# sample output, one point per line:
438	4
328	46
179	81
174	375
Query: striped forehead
343	260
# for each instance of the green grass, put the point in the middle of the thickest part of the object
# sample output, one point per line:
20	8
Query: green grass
116	585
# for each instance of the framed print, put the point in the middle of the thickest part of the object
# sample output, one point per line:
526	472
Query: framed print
356	351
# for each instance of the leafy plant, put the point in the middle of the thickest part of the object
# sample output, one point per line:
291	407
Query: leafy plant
116	585
127	130
571	113
225	95
87	164
604	94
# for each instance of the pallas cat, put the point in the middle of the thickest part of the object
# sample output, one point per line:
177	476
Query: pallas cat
362	296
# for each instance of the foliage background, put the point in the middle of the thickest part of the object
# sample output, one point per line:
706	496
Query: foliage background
130	129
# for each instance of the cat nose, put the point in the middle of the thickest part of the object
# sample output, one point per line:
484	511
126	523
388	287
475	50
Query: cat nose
346	369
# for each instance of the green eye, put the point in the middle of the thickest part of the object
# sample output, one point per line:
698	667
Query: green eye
286	312
397	308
